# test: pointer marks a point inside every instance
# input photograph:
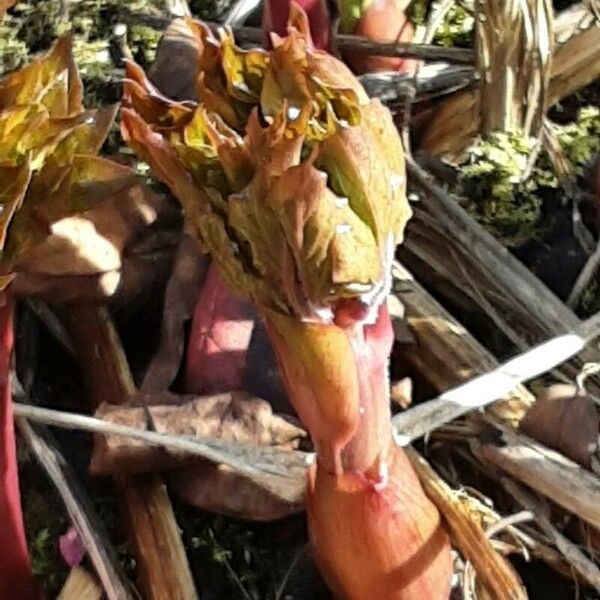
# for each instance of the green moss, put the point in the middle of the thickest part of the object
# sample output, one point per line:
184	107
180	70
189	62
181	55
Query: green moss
581	140
237	559
457	28
503	193
32	25
45	521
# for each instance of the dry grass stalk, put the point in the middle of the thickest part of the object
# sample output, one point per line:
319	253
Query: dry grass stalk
514	50
575	63
580	563
546	471
81	512
446	354
515	299
281	472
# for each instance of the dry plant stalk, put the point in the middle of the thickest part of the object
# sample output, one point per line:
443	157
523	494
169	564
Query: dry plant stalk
574	64
163	565
81	512
514	51
548	472
445	353
482	270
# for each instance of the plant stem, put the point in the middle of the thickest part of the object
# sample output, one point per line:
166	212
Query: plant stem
15	572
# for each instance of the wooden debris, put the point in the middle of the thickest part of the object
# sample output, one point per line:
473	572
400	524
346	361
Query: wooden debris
80	585
353	43
162	562
546	471
581	564
495	282
445	353
432	80
514	50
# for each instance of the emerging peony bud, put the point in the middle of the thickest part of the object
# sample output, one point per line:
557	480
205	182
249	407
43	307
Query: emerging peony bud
294	181
302	206
60	216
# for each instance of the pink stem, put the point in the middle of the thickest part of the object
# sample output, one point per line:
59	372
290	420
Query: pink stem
275	19
15	573
366	451
218	344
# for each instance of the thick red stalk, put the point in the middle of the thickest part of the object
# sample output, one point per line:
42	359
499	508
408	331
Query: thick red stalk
276	14
218	344
382	21
373	528
15	572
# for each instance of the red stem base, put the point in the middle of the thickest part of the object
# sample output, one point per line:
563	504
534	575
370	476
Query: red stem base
16	581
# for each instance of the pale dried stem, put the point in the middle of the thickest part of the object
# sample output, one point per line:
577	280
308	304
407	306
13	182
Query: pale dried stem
528	309
80	510
546	471
446	354
467	535
344	42
574	64
80	585
514	50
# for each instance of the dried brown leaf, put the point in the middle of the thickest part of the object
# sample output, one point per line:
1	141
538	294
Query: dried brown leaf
234	417
188	273
218	489
566	420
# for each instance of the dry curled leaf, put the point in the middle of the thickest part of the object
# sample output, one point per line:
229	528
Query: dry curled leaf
234	417
187	275
565	419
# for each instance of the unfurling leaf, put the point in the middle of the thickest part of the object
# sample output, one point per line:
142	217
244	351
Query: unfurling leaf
66	212
290	176
294	182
